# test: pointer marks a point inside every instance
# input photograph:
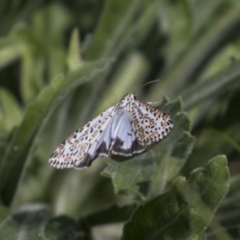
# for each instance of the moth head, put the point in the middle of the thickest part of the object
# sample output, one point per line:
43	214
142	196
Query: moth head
132	96
129	97
125	101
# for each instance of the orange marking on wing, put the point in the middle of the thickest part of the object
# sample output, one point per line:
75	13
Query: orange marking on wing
75	143
67	159
70	137
82	149
159	112
85	133
95	133
151	108
136	122
154	134
60	151
151	122
80	129
84	146
165	119
141	131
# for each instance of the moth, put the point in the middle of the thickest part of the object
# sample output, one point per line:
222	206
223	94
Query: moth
125	129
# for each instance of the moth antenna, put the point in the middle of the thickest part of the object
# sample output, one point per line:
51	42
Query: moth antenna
145	84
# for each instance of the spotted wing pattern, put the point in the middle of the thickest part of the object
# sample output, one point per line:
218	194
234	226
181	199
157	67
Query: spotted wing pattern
124	129
150	125
79	149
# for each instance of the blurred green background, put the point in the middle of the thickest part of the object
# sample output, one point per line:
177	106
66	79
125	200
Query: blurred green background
63	62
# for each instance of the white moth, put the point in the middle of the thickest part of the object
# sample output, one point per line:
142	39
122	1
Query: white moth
124	129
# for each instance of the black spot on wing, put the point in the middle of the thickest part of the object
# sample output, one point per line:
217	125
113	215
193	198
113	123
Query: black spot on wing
117	148
88	159
54	154
102	150
86	162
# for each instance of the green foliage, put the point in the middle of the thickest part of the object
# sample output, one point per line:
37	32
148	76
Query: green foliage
185	210
33	120
175	149
63	63
10	112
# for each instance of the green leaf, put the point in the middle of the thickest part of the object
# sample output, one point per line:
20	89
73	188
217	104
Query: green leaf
111	27
209	143
11	47
195	53
211	87
142	168
33	121
61	228
126	175
111	215
186	210
4	212
44	56
170	164
26	223
10	112
74	55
